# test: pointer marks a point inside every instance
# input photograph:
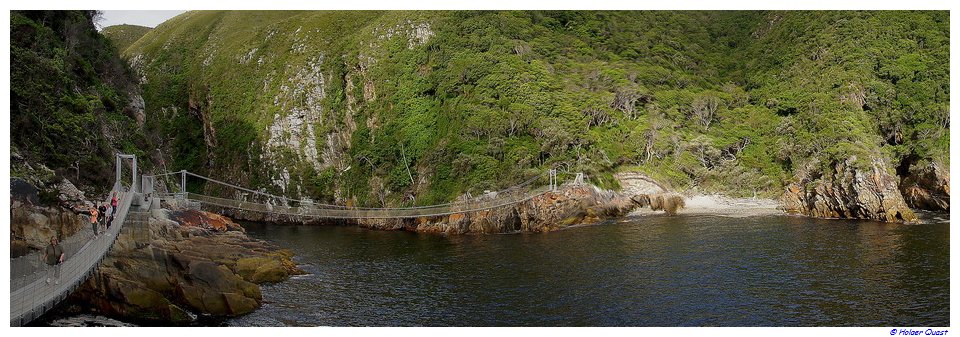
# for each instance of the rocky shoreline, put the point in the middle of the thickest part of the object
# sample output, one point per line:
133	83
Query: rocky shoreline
181	264
177	265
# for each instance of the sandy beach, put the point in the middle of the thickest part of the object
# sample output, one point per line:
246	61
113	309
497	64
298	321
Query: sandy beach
723	206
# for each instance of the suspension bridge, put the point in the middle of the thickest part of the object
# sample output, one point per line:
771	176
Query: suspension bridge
30	293
259	201
31	296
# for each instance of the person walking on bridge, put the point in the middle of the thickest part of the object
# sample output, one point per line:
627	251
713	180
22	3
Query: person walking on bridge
93	220
103	215
54	256
113	211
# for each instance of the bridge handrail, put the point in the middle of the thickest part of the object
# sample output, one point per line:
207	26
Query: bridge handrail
329	206
358	213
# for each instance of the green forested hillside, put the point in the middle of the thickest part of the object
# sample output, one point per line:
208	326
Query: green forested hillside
419	107
124	35
855	82
70	95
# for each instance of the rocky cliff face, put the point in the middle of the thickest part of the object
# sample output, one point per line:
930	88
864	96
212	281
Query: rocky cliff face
927	187
173	271
849	193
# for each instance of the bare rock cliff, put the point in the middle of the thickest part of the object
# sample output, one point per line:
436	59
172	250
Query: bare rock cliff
927	187
849	193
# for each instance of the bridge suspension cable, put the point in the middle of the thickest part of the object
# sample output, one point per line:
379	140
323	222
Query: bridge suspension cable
305	208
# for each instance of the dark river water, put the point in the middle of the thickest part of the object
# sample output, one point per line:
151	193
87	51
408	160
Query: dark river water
644	271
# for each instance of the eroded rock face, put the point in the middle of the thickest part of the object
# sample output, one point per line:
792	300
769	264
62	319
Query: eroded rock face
36	225
135	109
927	187
32	225
171	272
71	197
849	193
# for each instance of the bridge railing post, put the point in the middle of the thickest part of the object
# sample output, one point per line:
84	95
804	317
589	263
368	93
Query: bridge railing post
133	183
556	182
119	163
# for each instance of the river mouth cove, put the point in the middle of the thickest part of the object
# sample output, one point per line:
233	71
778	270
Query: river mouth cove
687	270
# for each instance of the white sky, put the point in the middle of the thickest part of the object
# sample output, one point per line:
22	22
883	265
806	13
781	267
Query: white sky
139	18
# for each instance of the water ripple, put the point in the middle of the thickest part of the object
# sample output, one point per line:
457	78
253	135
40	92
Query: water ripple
643	271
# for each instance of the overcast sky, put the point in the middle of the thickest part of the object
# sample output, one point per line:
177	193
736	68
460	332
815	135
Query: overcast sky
139	18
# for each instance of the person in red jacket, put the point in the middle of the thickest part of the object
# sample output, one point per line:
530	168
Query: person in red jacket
113	212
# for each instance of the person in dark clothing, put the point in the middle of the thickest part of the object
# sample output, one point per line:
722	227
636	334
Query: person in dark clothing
53	255
103	217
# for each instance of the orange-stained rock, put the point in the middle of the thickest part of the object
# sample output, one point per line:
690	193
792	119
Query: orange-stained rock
456	217
207	220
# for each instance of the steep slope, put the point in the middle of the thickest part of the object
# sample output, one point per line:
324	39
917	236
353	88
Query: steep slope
402	108
861	92
124	35
421	106
74	102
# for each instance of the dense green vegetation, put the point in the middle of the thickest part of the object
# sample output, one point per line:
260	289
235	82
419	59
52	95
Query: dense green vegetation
68	93
124	35
420	107
842	83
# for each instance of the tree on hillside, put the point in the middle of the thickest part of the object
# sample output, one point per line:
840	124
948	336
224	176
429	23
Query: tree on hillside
704	108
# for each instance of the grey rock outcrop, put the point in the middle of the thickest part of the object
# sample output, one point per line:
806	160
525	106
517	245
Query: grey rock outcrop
849	193
136	109
927	187
32	224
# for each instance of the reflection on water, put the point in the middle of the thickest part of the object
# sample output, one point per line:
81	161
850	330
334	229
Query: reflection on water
649	271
